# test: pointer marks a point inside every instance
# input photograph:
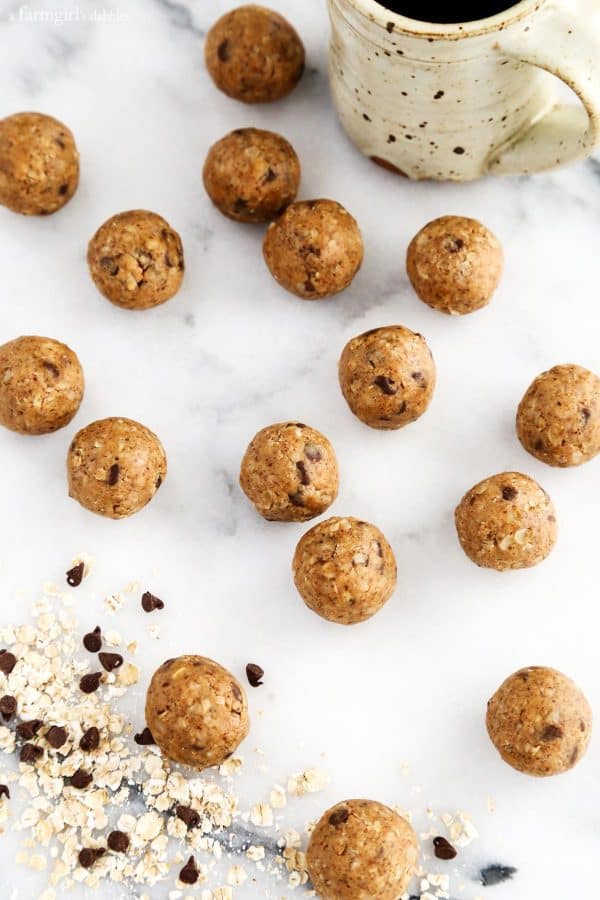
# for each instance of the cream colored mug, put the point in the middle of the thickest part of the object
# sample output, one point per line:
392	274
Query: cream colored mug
460	101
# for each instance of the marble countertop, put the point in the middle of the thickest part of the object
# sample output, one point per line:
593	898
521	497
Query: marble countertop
393	709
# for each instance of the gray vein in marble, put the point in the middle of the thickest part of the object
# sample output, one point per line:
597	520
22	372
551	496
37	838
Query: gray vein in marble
181	17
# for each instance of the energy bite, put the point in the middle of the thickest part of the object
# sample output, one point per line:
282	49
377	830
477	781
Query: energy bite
254	55
41	385
252	175
361	849
136	259
315	249
344	570
539	721
506	522
115	466
558	420
197	711
455	264
39	164
290	472
387	376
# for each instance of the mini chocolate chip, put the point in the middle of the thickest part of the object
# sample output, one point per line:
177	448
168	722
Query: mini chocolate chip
109	265
189	874
28	730
63	189
75	575
574	755
304	476
438	95
7	661
235	690
30	752
4	791
113	475
90	682
254	674
313	453
509	492
455	244
401	409
223	50
188	815
93	640
443	849
90	739
81	779
150	602
418	377
270	176
110	661
582	725
390	27
88	856
144	738
118	841
551	733
386	385
158	482
56	736
51	368
296	499
459	150
586	414
8	707
309	286
339	816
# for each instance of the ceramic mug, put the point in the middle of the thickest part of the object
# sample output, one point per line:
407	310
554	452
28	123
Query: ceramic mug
460	101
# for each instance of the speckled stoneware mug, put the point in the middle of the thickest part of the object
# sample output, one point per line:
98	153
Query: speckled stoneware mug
460	101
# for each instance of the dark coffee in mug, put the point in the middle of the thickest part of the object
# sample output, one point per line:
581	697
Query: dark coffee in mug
446	13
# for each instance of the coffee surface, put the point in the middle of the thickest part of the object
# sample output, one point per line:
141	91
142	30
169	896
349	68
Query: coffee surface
446	13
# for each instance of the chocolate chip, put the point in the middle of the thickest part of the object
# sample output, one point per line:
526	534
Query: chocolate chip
390	27
51	368
438	95
339	816
93	640
30	752
7	661
63	189
75	575
81	779
109	265
254	674
586	414
237	693
509	492
88	856
296	499
27	730
8	707
304	476
189	874
459	150
144	738
223	50
110	661
574	755
150	602
56	736
418	377
551	733
113	475
270	176
4	791
313	453
443	849
90	682
90	739
118	841
386	385
188	815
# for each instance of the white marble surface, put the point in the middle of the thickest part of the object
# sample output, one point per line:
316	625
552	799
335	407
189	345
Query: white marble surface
233	353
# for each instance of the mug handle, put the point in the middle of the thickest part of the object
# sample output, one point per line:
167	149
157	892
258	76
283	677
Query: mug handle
559	43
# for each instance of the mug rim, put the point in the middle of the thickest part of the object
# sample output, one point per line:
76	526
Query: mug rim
378	13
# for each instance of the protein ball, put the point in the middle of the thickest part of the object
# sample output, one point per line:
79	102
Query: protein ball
558	420
539	721
455	264
197	711
362	849
387	376
506	522
252	175
39	164
254	55
136	260
290	472
41	385
315	249
115	466
344	570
